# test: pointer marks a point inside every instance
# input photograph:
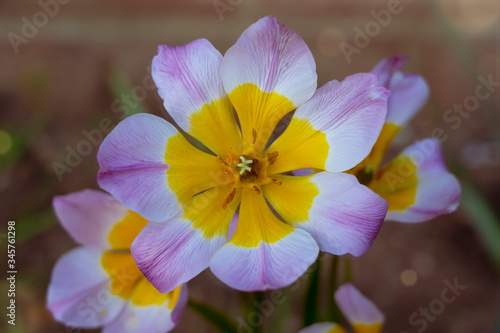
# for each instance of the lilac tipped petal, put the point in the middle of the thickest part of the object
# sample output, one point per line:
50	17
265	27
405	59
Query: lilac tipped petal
409	91
189	82
187	77
267	266
133	167
356	307
175	251
268	73
387	67
273	57
336	128
89	216
342	215
323	328
438	191
136	318
79	291
264	253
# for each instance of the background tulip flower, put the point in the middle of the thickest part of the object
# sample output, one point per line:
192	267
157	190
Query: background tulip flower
416	184
98	284
361	313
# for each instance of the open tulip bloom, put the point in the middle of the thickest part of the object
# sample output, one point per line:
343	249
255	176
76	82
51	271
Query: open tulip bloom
99	284
416	184
190	197
360	312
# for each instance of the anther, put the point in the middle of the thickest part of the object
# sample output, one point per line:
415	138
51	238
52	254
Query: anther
230	158
226	165
271	157
229	198
220	160
277	182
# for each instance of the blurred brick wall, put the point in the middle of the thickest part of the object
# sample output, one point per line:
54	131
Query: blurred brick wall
61	76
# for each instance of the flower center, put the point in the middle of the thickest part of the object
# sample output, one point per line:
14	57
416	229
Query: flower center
248	168
247	171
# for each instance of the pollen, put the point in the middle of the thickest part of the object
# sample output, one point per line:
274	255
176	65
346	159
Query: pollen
271	157
227	169
247	171
229	198
275	181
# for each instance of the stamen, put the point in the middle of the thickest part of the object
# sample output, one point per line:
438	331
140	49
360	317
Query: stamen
220	160
277	182
256	189
230	158
254	133
229	198
271	157
226	165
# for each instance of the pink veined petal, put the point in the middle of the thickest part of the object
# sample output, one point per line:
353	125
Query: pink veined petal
133	168
356	307
344	216
150	318
269	72
189	82
342	118
387	67
89	216
79	291
409	91
268	266
187	77
175	251
274	58
438	191
264	253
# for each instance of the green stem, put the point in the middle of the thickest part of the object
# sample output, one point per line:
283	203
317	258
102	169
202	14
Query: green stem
334	313
258	298
347	270
312	297
214	316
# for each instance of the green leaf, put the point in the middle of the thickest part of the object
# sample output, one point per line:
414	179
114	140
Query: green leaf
258	298
347	270
312	297
283	311
214	316
122	88
484	218
497	326
32	225
334	313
